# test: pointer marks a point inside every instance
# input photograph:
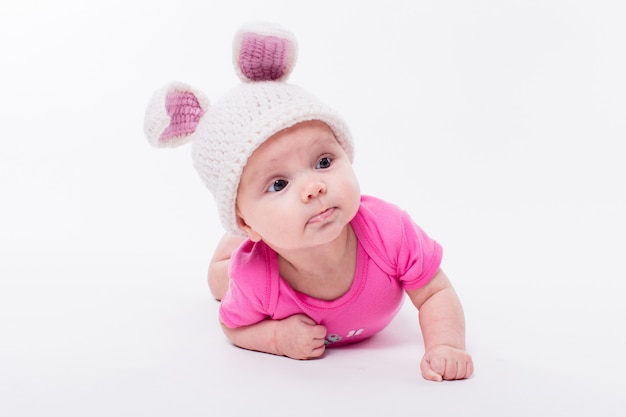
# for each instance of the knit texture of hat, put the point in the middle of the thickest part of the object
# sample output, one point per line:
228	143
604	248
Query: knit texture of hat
226	134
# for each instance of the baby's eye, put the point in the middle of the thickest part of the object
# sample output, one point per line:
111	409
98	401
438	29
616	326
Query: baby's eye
277	186
323	163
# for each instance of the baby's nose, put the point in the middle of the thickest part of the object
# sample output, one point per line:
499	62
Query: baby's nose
313	189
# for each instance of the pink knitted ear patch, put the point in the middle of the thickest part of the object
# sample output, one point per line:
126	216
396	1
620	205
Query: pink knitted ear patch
185	113
263	58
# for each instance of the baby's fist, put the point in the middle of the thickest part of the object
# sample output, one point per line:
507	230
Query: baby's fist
446	363
299	337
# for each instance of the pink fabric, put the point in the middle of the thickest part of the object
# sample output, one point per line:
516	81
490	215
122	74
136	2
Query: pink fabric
185	113
394	255
263	58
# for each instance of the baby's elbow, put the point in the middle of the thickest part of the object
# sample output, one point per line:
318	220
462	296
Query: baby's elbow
228	332
217	278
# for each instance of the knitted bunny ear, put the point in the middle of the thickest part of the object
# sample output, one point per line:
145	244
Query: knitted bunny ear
173	115
264	52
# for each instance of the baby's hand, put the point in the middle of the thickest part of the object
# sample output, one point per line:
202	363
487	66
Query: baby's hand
445	362
299	337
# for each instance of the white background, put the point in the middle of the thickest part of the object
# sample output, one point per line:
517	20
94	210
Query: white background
499	125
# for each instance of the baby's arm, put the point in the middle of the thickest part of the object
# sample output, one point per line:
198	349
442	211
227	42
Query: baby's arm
443	328
218	267
297	337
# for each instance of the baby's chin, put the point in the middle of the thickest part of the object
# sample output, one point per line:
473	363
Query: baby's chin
313	240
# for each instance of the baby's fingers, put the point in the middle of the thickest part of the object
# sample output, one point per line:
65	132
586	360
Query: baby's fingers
428	372
446	363
468	368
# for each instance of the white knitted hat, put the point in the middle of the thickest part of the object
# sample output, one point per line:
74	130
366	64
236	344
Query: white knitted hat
226	134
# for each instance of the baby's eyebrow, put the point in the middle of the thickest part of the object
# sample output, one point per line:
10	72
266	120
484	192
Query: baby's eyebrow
265	172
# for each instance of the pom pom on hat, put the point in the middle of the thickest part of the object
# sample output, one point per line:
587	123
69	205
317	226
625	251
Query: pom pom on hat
226	133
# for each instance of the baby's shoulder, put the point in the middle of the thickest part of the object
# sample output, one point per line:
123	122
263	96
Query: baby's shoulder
251	262
253	274
380	216
380	229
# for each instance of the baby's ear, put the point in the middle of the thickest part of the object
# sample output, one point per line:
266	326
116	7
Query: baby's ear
173	115
245	229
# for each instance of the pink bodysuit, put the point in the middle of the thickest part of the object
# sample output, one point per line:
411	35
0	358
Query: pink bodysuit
393	255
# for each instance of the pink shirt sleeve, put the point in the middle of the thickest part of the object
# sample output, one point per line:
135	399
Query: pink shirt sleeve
419	256
249	303
396	243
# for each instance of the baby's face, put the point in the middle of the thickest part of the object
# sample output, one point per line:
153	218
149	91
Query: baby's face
298	189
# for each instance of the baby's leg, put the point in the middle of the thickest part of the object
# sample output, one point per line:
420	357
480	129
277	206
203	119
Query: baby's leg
218	267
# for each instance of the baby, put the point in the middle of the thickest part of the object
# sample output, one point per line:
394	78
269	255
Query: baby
307	262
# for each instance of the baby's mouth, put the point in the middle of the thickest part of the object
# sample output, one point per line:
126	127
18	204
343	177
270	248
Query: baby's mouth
321	216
